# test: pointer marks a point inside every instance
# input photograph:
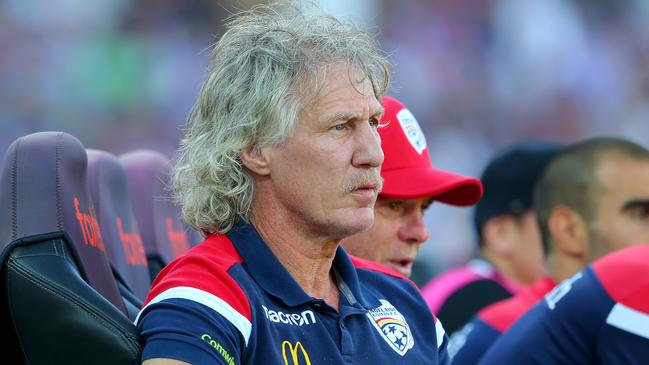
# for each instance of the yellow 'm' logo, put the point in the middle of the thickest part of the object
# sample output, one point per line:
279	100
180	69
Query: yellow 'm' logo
293	350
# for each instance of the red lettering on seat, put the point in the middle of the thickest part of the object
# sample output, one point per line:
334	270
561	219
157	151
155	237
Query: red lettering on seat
133	247
89	226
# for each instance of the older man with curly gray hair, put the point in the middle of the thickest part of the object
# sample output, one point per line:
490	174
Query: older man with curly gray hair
281	161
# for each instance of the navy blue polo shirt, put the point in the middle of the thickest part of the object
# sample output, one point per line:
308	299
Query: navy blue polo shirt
230	301
599	316
467	346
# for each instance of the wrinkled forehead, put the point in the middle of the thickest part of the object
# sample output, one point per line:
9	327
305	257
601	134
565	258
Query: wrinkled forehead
318	84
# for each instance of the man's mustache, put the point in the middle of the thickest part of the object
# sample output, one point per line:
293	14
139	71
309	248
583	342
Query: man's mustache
365	179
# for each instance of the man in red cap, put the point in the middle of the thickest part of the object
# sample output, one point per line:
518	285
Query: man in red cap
410	185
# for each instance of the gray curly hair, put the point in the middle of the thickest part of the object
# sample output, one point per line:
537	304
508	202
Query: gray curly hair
262	70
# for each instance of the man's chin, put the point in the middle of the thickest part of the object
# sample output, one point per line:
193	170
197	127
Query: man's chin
403	269
359	220
349	230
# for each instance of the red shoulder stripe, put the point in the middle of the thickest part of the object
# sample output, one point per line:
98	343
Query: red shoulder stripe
625	276
503	314
205	267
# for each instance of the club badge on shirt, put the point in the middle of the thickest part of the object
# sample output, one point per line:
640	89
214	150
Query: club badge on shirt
392	326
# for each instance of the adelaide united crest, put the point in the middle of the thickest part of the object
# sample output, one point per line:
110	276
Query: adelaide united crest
392	326
412	130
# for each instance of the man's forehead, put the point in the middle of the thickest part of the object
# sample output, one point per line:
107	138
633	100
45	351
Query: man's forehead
623	190
330	81
613	161
350	114
618	172
347	109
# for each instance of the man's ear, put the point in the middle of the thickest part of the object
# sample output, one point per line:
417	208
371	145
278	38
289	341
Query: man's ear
569	231
256	159
498	236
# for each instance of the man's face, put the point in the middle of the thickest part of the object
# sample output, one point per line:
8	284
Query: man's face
621	203
326	174
527	255
396	236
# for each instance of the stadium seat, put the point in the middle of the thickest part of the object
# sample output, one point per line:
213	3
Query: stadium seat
59	303
109	192
164	235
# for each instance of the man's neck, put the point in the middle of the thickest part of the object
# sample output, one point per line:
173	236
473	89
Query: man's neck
308	259
502	266
561	266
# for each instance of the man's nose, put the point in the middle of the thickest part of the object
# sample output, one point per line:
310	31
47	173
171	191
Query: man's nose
368	152
415	230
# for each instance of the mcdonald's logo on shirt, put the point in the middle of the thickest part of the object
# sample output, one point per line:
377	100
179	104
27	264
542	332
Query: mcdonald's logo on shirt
295	352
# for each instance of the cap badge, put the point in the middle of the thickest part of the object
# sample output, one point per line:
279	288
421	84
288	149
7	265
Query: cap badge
412	130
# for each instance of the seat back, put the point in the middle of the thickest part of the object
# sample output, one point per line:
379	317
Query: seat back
60	303
109	192
165	236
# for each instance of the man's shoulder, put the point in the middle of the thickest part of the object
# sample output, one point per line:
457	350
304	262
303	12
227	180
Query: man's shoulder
624	276
384	282
363	264
216	251
211	258
456	305
502	314
462	284
203	275
454	278
475	278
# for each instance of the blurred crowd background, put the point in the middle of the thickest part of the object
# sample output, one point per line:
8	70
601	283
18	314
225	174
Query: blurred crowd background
478	75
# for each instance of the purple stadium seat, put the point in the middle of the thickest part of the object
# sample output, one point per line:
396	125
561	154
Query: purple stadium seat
164	235
109	192
59	302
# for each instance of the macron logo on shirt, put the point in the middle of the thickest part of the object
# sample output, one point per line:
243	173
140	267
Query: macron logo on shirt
294	319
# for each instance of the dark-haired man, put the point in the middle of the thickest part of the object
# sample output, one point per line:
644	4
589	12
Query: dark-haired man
510	248
592	199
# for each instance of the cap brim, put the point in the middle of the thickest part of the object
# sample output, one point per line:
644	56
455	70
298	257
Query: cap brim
443	186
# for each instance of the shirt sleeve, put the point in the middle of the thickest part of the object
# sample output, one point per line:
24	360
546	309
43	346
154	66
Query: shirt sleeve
469	344
560	329
185	330
442	344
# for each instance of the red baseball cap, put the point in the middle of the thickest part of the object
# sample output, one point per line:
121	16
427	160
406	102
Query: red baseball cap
407	171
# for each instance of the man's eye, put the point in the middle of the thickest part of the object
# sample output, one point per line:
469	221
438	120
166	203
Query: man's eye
374	123
392	208
395	206
640	213
340	127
